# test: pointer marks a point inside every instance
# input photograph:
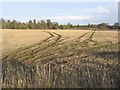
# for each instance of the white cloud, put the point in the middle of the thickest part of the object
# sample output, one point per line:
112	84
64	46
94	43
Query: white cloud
102	9
69	18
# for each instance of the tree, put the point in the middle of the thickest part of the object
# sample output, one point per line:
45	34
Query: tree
14	24
102	25
55	25
30	24
8	24
68	26
89	26
43	25
34	22
38	25
3	23
76	26
116	25
61	27
49	24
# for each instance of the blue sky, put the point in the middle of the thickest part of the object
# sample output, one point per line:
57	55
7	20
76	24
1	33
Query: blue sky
62	12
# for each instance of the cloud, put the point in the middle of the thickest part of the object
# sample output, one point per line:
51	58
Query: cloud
68	18
102	9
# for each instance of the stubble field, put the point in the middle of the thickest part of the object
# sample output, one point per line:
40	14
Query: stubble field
60	58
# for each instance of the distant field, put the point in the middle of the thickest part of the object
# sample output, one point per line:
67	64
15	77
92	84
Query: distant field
13	39
60	58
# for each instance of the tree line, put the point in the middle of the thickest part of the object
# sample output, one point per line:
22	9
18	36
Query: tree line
48	24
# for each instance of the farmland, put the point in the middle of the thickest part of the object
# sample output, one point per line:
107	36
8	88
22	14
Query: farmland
60	58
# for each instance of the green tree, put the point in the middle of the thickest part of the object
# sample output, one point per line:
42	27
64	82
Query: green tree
69	26
14	24
34	22
102	25
49	24
3	23
116	25
61	27
43	25
55	25
30	24
38	25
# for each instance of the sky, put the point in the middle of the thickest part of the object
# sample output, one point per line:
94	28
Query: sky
62	12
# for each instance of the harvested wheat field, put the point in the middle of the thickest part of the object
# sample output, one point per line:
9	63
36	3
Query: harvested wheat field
60	59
